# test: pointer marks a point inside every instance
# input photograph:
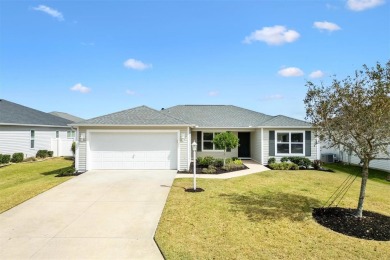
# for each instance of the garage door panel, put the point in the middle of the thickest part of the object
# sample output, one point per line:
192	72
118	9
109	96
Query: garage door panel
133	150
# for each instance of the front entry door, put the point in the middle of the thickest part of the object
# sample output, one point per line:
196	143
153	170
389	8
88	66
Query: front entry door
244	150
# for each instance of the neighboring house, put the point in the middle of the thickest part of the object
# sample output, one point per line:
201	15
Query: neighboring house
351	158
26	130
67	116
145	138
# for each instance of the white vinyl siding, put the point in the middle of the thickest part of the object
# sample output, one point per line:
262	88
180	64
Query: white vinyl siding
17	139
353	159
256	146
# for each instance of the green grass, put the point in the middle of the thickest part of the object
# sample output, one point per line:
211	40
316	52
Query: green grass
373	174
264	216
22	181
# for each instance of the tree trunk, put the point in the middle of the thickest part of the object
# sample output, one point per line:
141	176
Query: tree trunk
224	156
359	212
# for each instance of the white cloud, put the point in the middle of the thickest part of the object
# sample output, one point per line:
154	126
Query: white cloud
213	93
326	26
273	97
80	88
290	72
361	5
136	64
276	35
50	11
130	92
316	74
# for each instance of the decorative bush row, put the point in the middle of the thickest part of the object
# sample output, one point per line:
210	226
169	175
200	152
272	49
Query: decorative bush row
16	158
300	161
210	160
209	164
284	166
44	154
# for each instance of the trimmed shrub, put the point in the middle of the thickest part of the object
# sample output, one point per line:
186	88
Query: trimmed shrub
209	170
68	171
73	148
300	161
205	161
5	158
17	157
42	154
233	166
284	159
218	162
316	164
284	166
237	162
50	153
271	160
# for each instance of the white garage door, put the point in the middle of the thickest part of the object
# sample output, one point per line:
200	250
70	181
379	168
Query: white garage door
124	150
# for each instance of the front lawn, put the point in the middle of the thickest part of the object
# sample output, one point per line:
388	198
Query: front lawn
22	181
264	216
373	174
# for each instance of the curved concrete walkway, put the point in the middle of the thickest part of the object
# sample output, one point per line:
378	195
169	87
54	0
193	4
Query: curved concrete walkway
253	166
97	215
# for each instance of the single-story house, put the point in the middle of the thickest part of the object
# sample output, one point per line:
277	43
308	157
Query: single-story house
26	130
145	138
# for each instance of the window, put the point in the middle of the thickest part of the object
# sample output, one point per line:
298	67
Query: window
57	134
70	134
289	143
208	142
32	138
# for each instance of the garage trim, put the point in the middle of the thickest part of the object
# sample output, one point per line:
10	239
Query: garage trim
89	131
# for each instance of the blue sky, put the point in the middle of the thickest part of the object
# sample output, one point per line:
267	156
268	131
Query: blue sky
91	58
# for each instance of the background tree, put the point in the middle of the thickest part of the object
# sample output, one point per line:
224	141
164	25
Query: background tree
354	114
225	140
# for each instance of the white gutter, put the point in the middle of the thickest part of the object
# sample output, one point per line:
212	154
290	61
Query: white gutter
109	125
68	126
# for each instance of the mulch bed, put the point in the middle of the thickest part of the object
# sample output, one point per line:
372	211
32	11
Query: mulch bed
372	226
219	170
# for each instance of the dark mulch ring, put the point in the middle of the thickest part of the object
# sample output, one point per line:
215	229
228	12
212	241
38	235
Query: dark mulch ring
219	170
372	226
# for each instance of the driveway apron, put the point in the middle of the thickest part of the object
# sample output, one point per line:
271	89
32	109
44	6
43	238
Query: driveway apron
97	215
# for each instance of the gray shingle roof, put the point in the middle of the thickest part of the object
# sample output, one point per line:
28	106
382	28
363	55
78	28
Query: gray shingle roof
281	120
67	116
228	116
142	115
223	116
15	114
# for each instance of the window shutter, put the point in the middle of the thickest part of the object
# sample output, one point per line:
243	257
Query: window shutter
271	143
307	143
199	140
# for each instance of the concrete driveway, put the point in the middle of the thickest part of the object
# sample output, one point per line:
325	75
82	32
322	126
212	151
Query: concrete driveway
97	215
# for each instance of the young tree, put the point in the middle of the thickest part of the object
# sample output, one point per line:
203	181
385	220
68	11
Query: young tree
225	140
354	114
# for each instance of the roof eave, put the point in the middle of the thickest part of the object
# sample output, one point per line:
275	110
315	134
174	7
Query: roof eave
14	124
121	125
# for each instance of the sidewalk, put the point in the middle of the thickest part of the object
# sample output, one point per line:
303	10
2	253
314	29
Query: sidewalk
253	166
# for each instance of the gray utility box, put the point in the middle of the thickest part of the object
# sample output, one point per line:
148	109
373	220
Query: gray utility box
329	158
